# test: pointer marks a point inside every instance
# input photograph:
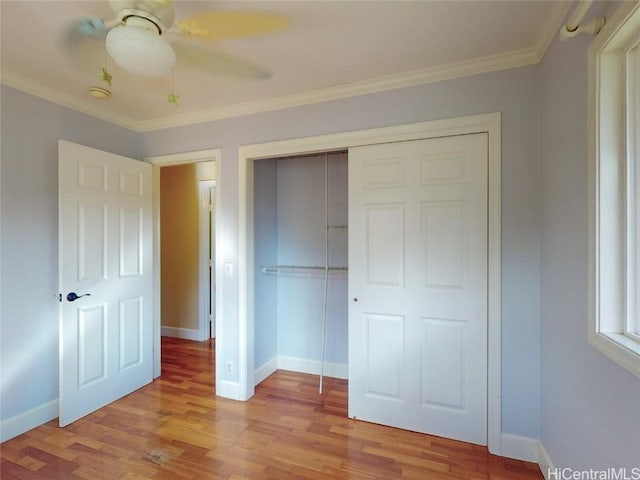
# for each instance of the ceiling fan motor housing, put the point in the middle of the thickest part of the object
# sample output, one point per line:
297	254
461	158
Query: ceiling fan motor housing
137	46
142	22
160	13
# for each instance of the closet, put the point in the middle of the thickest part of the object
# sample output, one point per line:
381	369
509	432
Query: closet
300	257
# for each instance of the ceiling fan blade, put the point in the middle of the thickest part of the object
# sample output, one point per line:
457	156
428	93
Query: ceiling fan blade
231	24
83	41
217	63
79	30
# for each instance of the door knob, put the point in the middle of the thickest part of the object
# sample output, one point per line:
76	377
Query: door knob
73	296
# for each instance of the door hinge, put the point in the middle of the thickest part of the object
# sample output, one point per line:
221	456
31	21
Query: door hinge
210	262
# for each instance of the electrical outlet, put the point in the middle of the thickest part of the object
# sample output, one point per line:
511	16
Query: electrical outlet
228	367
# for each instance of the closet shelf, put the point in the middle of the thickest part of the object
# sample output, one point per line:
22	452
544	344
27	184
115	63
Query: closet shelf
305	271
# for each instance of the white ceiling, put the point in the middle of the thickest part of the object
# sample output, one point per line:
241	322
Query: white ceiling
332	49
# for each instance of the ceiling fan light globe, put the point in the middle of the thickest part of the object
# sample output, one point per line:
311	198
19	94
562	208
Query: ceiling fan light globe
140	51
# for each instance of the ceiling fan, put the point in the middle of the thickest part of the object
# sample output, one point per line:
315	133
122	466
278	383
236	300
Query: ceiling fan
137	37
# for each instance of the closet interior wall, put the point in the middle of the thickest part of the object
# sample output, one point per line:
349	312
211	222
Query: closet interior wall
289	230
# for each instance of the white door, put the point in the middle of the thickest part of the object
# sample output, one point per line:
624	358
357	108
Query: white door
418	285
207	259
105	242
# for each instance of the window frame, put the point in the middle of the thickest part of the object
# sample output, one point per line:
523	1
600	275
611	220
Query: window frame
633	190
613	154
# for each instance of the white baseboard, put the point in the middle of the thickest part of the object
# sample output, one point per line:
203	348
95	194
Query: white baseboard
300	365
544	460
529	450
227	389
313	367
265	370
26	421
184	333
520	448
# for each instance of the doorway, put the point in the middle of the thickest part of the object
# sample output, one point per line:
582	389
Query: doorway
489	124
186	246
300	254
204	164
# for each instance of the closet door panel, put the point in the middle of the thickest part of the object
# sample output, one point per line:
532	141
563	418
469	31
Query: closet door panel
418	285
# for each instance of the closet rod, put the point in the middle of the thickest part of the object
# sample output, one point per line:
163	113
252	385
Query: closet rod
301	270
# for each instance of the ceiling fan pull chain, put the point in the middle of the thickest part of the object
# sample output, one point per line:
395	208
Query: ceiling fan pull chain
172	97
105	76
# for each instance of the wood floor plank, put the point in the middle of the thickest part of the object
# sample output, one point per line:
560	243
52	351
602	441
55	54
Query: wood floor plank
177	429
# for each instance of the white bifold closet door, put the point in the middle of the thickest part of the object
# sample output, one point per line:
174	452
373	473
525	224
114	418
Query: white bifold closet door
418	285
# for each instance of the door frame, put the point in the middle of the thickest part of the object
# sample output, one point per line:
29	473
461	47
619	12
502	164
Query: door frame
159	161
207	218
489	123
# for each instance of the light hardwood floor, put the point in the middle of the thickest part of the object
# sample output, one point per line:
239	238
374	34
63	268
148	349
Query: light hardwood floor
175	428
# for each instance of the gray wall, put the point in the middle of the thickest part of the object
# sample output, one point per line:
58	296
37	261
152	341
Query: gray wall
265	302
301	241
590	406
30	130
289	219
514	93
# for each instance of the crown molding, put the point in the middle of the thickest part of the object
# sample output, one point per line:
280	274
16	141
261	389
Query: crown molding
491	63
550	27
476	66
25	85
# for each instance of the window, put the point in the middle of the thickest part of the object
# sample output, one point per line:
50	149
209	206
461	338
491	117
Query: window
614	188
